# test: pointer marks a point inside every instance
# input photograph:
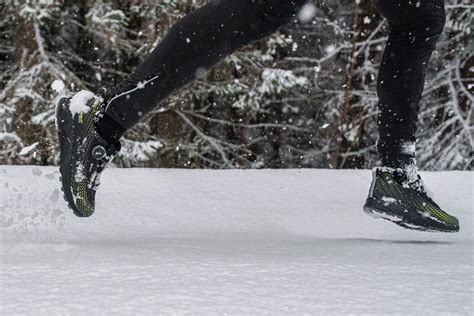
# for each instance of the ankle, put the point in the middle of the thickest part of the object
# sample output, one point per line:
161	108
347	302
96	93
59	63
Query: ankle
109	129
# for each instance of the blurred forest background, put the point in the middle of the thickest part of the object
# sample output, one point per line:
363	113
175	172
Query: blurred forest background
304	98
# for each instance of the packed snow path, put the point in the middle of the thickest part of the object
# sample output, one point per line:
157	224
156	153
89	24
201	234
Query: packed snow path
236	242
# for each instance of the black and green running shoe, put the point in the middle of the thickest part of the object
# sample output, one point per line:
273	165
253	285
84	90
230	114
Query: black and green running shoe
403	199
84	154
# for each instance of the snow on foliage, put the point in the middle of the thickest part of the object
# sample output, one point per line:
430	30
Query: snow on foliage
275	82
58	86
139	152
29	149
37	11
264	106
104	17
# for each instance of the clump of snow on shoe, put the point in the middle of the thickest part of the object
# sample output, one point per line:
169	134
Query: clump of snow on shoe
79	102
388	200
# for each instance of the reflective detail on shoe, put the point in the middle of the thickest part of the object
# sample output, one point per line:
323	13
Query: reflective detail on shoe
138	87
99	152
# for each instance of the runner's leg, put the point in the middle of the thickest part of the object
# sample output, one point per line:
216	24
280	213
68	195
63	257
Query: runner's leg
415	27
194	44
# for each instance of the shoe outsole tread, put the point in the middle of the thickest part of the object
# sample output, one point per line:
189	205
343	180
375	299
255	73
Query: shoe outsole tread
377	214
63	160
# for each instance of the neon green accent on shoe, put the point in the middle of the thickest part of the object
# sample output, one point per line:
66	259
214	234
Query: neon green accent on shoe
82	201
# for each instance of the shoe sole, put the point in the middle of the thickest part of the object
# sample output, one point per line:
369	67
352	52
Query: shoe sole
65	159
377	214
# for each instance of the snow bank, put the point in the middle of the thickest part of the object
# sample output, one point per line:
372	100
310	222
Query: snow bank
237	242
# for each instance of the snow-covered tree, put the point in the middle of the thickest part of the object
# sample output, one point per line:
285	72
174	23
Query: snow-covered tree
305	97
344	71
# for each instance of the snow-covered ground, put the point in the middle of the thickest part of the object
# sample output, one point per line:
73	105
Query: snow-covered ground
234	242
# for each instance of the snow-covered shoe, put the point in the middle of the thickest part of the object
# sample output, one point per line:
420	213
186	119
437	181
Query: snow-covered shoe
397	196
84	154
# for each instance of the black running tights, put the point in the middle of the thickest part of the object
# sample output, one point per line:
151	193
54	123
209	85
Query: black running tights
217	29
